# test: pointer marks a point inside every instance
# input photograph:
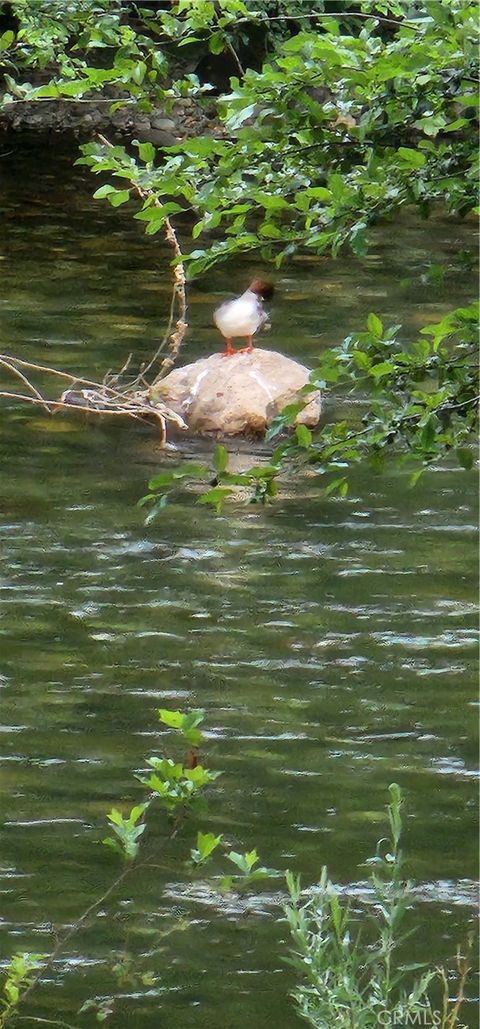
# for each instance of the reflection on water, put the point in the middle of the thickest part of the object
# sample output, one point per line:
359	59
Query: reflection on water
331	642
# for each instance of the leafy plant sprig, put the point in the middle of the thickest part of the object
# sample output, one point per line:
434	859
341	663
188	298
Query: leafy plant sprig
174	787
345	980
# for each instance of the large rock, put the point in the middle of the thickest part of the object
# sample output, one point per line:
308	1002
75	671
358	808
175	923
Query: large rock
236	395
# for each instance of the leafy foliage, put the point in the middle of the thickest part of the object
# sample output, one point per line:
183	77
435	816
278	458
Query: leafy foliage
86	45
249	873
418	403
338	129
352	115
206	844
186	724
342	980
126	840
18	976
175	787
258	483
345	980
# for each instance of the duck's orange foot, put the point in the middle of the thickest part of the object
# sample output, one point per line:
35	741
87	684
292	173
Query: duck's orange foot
249	347
229	351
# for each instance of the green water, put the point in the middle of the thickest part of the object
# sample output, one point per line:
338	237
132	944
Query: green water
331	642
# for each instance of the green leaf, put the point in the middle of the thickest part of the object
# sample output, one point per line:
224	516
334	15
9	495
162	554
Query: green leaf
454	126
103	191
384	368
244	862
6	39
216	43
468	100
146	152
206	844
270	231
336	486
159	506
162	479
119	197
187	724
215	497
414	158
358	239
415	476
173	719
465	457
375	326
319	193
431	125
191	470
304	436
139	72
236	120
220	458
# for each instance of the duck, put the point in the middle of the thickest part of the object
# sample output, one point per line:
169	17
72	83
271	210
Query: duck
244	316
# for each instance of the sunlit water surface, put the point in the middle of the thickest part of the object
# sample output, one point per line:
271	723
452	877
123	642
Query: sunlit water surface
332	643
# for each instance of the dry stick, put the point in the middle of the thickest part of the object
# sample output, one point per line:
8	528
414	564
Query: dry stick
113	402
116	377
47	1021
67	100
228	44
73	379
134	413
29	385
138	414
176	338
146	368
236	58
463	966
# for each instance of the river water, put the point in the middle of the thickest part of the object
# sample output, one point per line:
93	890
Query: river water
332	643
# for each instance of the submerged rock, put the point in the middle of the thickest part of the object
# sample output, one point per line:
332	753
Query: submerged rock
238	395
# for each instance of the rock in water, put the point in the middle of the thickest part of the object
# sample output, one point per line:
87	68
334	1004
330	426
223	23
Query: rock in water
238	395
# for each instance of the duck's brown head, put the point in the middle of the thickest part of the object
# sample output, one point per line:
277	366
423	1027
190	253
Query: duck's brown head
262	288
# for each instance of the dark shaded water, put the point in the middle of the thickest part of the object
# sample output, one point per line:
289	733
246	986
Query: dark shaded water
331	642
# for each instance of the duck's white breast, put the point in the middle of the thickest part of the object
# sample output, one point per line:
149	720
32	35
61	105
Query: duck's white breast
241	317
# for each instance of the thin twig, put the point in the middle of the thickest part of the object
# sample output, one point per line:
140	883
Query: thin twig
139	413
233	52
339	16
230	47
107	398
60	944
177	336
104	400
69	100
47	1021
162	345
73	379
29	385
111	377
60	404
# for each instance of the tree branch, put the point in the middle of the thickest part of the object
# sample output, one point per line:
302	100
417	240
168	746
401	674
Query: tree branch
177	336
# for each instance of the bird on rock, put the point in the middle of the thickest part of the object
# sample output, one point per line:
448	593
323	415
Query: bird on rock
243	316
